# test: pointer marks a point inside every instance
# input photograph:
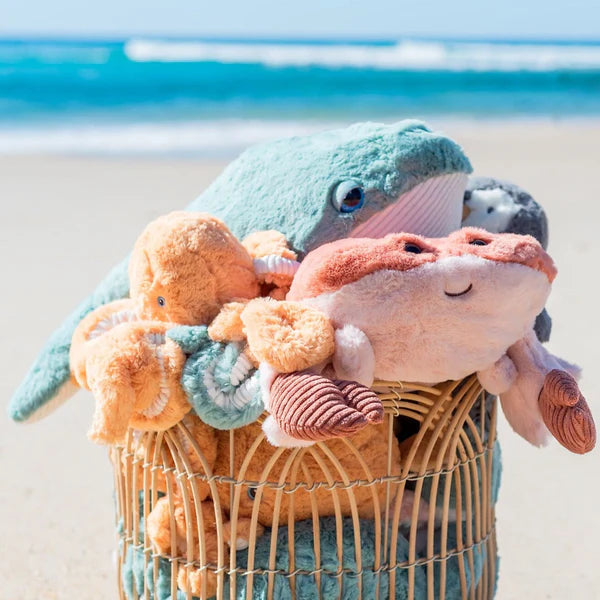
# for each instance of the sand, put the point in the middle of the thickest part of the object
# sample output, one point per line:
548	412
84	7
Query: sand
66	221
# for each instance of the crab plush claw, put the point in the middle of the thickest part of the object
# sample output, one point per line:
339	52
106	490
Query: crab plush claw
293	342
566	413
310	408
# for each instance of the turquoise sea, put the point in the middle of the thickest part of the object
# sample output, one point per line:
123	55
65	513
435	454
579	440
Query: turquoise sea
216	96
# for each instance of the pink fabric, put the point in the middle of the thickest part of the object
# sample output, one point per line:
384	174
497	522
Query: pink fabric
433	208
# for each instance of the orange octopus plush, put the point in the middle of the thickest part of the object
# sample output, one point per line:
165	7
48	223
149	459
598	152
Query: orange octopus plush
364	455
184	268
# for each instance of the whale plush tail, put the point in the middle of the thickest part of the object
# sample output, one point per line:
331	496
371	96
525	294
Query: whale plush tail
48	383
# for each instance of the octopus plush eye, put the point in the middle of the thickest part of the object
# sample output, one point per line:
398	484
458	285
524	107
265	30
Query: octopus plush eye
251	493
348	196
161	301
413	248
478	243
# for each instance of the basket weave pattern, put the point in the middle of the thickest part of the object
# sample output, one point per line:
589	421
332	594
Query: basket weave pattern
448	468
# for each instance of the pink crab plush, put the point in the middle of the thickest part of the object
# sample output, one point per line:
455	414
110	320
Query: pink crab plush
406	308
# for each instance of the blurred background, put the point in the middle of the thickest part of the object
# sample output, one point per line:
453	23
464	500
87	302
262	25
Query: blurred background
189	77
114	112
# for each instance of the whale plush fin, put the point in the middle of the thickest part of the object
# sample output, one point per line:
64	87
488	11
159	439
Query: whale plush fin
48	383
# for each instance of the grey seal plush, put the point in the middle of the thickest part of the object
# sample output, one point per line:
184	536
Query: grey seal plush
503	207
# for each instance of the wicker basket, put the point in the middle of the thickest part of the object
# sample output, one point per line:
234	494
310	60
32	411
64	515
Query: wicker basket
452	467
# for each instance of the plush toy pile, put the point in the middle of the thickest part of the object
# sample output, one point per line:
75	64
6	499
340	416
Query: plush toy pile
317	265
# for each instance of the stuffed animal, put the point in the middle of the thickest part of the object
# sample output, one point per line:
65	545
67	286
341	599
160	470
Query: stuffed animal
185	267
503	207
257	461
412	309
367	179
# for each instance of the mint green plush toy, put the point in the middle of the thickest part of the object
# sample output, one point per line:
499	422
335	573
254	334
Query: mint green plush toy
135	574
368	179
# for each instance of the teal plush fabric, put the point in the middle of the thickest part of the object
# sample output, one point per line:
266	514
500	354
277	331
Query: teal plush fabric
495	484
284	185
305	585
206	380
289	182
50	371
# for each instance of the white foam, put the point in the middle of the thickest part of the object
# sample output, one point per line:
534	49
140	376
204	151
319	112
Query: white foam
220	137
405	55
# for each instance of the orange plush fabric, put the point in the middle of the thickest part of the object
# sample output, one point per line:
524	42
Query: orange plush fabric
183	269
289	336
339	263
373	446
371	442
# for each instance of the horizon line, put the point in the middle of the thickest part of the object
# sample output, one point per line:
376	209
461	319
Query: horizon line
288	39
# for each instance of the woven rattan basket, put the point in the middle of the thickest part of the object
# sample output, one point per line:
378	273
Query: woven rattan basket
452	467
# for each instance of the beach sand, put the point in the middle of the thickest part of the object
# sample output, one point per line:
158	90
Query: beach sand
66	221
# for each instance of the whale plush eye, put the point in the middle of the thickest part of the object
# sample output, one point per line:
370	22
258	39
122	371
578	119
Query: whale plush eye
161	301
478	243
348	196
251	493
413	248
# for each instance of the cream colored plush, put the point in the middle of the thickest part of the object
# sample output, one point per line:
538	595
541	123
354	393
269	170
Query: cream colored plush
407	308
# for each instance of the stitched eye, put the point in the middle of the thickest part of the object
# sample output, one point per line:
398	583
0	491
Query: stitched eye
161	301
413	248
251	493
478	243
348	196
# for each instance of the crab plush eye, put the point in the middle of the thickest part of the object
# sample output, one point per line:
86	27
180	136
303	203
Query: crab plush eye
161	301
478	243
413	248
348	196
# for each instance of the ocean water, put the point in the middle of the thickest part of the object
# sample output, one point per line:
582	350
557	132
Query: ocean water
158	96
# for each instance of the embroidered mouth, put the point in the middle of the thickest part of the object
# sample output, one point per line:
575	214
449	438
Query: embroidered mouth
433	209
456	295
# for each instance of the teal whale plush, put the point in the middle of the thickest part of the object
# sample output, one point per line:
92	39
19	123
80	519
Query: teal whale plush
368	179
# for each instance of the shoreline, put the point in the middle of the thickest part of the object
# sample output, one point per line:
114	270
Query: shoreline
222	140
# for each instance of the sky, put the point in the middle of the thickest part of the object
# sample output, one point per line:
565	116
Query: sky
523	19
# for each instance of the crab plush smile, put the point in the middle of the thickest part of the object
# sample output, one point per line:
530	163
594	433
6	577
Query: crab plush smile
457	294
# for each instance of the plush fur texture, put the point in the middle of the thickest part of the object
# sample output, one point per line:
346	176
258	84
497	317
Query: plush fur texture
431	316
502	207
205	438
371	442
227	326
198	582
288	186
439	309
306	587
183	268
219	379
542	401
288	336
353	357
